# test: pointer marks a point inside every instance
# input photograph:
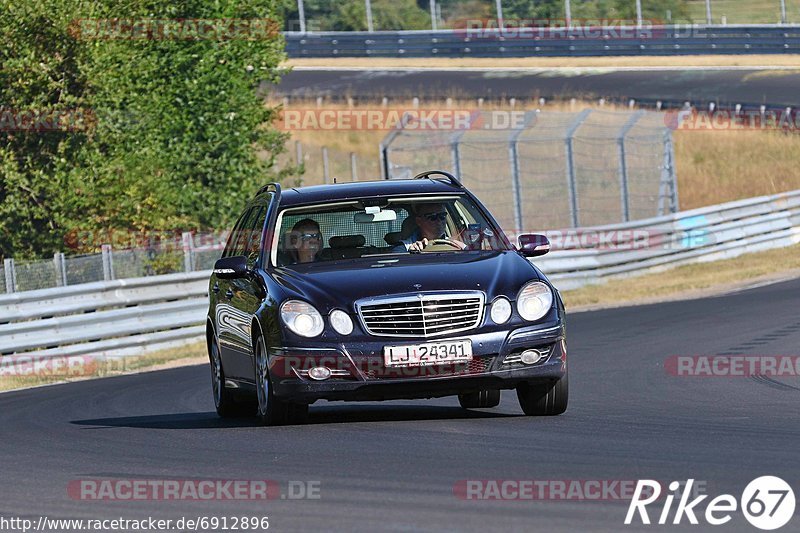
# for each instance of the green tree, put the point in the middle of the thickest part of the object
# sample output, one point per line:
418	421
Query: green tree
180	136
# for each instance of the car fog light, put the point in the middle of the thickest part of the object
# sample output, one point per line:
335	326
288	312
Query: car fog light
501	310
341	322
531	357
319	373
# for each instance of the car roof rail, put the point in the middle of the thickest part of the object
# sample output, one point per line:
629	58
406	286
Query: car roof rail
270	187
428	173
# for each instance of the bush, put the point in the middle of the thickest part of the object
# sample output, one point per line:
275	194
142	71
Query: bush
174	124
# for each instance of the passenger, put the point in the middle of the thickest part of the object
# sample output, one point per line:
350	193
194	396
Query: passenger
305	241
431	222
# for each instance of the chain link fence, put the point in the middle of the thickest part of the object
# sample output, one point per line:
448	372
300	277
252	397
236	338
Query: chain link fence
190	253
553	169
308	16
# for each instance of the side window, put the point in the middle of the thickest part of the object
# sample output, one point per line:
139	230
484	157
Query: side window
242	240
254	229
233	236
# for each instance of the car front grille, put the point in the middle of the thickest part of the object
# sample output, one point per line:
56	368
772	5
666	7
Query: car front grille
421	315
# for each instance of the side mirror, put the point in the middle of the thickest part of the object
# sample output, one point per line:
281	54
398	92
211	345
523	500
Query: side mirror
533	245
231	267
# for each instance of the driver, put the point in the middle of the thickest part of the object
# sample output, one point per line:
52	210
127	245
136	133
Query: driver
431	222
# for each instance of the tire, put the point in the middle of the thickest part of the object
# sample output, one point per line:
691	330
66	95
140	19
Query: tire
544	399
224	402
271	410
481	399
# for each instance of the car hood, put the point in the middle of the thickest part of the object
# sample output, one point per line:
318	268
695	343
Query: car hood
333	284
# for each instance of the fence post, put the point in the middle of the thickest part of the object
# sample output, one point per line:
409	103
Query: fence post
298	153
433	14
386	164
108	262
325	170
623	165
11	275
368	5
60	267
455	153
674	206
188	251
668	188
353	167
513	158
571	182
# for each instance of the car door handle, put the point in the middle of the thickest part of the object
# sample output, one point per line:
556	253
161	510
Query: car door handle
229	294
215	288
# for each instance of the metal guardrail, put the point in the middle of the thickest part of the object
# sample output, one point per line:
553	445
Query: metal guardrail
127	317
657	40
106	318
704	234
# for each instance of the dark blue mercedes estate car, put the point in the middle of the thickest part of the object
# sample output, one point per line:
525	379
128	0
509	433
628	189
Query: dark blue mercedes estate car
380	290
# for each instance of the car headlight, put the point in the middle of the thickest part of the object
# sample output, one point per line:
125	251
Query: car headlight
341	322
302	318
501	310
534	301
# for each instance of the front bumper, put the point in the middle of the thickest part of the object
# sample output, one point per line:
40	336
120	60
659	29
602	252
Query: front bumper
359	373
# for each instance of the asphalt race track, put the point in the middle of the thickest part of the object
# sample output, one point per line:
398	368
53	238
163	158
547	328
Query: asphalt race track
394	465
750	87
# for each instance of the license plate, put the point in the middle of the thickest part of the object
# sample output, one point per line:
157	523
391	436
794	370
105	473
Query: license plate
430	353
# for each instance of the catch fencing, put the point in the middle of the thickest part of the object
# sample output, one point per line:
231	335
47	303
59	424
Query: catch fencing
127	317
189	252
553	169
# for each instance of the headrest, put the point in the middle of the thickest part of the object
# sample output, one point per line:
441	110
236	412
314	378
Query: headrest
347	241
407	229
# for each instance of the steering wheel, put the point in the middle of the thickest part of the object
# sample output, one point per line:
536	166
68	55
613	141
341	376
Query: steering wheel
442	245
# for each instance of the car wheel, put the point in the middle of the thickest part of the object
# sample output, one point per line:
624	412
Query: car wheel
271	410
546	399
223	399
480	400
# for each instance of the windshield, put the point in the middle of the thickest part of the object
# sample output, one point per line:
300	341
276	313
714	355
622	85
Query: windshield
349	230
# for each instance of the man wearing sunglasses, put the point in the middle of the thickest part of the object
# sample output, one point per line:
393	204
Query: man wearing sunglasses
431	222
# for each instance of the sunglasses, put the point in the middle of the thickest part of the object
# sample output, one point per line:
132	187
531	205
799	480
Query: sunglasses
433	217
308	236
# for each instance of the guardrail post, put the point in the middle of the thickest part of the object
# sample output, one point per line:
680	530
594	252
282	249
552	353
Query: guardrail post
60	267
513	158
623	165
108	262
571	182
188	251
11	275
353	167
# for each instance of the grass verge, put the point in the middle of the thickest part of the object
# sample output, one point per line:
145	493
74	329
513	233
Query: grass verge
689	281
